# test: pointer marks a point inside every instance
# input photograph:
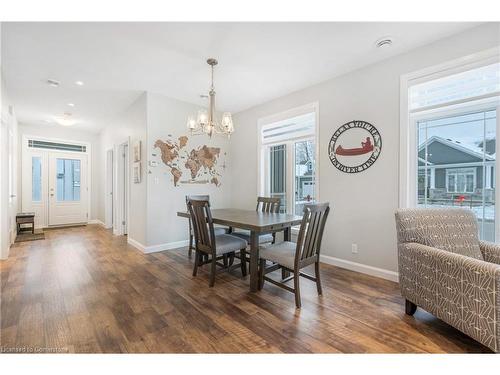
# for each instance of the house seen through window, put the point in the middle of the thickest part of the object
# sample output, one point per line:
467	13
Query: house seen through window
457	148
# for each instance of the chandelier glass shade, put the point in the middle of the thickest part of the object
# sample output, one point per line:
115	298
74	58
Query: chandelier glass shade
205	121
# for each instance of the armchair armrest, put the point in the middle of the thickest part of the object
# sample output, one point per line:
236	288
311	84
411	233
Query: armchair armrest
490	251
462	291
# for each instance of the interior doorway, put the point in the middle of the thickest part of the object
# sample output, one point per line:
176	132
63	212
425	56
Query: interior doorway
109	190
120	188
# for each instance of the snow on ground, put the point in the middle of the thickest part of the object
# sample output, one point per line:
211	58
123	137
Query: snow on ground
489	211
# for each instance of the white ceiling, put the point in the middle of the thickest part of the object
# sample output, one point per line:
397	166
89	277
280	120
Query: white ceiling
116	61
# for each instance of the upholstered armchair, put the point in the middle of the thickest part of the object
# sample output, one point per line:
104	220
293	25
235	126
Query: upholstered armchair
446	270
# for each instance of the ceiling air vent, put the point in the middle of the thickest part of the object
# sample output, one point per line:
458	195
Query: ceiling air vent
384	42
53	83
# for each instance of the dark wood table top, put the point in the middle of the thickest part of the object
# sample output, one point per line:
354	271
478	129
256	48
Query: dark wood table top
250	219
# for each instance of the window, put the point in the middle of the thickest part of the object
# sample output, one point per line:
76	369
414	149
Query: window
305	181
452	127
277	174
288	159
68	180
36	179
460	180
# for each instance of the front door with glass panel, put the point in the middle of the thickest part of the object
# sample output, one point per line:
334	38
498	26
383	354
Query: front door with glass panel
54	187
67	188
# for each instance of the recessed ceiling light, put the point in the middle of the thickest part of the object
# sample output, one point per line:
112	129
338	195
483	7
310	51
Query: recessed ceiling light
65	119
53	83
71	104
79	83
384	42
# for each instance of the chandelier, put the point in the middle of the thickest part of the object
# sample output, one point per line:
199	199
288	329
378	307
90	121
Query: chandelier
205	122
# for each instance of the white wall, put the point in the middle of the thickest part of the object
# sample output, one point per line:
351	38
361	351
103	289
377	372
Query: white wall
363	204
131	124
68	134
8	147
168	117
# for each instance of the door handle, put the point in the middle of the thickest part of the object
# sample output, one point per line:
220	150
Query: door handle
13	195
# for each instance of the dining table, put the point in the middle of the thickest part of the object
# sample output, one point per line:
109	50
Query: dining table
257	223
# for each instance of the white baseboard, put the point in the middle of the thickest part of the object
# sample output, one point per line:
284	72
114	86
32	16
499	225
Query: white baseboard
96	221
157	248
136	244
165	246
363	268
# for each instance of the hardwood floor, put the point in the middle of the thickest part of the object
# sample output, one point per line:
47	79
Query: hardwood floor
84	290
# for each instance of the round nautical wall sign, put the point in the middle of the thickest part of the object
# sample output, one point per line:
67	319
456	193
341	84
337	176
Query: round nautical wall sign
355	146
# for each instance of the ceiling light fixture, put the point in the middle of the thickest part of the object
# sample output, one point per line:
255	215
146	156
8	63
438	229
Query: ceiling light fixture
53	83
79	83
386	41
65	119
205	122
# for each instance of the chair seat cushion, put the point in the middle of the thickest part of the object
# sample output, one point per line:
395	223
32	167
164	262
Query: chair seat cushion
226	243
220	230
263	238
282	253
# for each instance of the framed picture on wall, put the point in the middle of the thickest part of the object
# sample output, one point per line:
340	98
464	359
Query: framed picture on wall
136	172
137	150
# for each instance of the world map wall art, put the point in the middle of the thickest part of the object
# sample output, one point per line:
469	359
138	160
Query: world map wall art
355	146
191	164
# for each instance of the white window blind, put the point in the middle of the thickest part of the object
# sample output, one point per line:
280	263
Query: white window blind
295	127
469	84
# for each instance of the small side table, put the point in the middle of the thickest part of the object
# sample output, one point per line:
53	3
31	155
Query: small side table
25	218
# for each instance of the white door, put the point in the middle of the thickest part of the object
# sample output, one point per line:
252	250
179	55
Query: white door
67	188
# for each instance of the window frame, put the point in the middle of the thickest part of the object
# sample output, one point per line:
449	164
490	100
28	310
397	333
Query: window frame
263	156
408	133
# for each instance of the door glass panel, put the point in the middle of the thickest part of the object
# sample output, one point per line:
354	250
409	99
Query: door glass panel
36	179
456	165
277	174
305	168
68	180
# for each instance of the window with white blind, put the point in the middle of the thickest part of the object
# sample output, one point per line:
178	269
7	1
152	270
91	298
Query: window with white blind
288	158
448	138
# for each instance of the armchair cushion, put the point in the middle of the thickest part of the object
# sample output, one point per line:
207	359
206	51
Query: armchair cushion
450	229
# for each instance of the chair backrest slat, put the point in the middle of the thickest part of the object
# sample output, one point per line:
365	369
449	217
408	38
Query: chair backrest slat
268	204
311	230
203	226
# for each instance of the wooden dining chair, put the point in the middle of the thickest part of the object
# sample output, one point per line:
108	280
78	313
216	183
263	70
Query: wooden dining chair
218	230
295	256
264	204
214	246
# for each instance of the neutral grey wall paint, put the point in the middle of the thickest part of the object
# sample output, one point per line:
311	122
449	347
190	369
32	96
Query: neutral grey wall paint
131	123
166	117
363	204
9	120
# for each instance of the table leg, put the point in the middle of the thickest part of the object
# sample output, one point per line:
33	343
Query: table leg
254	261
287	236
